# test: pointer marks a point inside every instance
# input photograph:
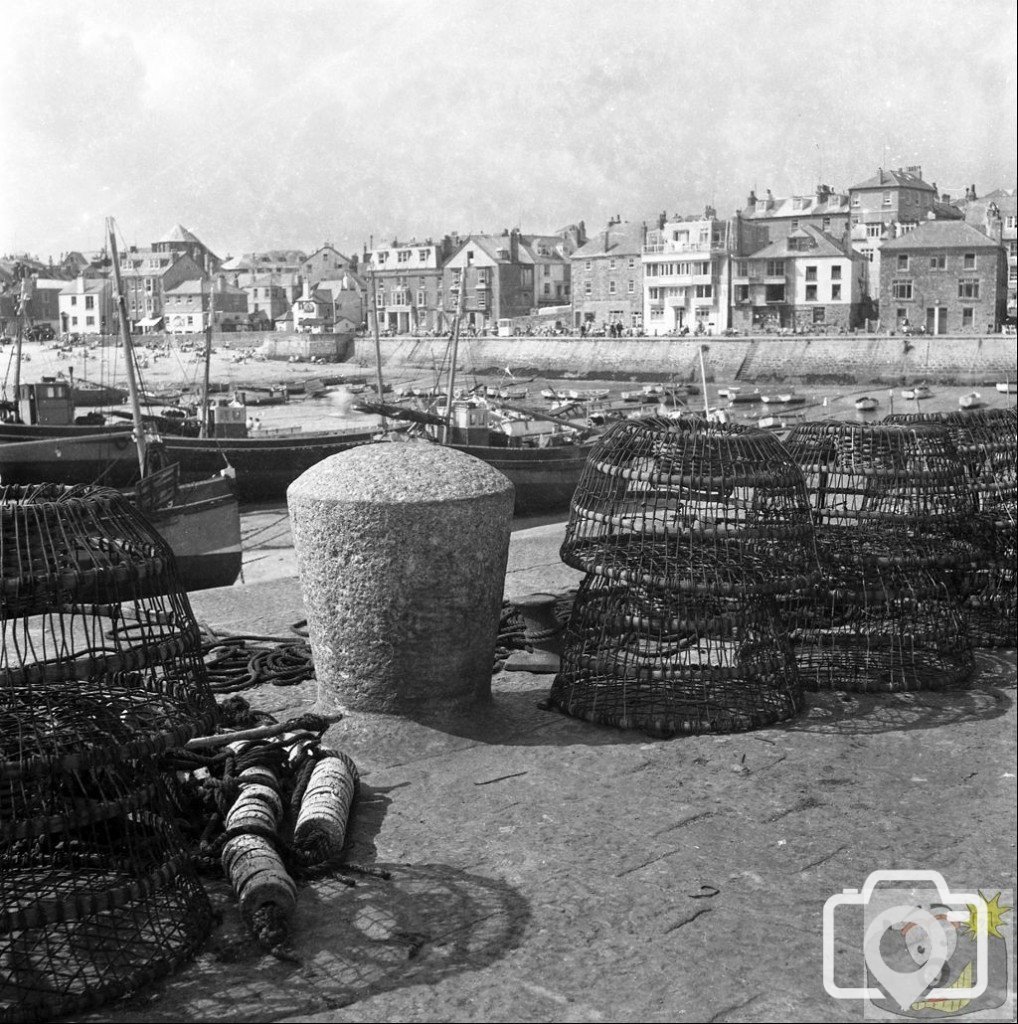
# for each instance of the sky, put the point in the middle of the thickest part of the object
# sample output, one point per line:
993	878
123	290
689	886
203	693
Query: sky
288	124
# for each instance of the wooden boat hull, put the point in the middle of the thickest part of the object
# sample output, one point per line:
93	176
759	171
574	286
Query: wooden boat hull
202	525
203	528
544	478
264	466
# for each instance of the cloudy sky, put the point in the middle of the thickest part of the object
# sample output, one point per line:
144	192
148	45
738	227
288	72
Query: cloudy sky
272	124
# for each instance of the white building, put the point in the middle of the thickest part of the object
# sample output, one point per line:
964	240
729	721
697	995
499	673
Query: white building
686	270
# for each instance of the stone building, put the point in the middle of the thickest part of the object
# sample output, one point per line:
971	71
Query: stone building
607	277
995	215
147	275
325	263
189	306
945	276
500	280
178	241
768	219
406	278
807	281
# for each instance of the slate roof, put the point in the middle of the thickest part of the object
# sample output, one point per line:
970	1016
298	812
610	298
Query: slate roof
798	206
178	233
623	240
900	179
824	246
941	234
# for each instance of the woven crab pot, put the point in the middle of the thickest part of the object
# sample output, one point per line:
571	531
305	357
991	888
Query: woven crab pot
687	531
896	542
100	671
987	444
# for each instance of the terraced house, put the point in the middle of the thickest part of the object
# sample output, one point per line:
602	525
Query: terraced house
607	277
807	281
407	282
945	276
686	275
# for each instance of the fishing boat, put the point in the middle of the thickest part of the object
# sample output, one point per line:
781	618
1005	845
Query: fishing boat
90	395
737	397
1008	387
771	423
784	398
728	392
971	400
199	519
917	393
866	404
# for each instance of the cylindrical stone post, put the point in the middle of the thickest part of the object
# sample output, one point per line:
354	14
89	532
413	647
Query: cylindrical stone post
401	550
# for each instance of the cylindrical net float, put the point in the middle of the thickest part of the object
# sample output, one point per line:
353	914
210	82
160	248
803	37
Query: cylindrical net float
687	531
987	444
895	536
100	671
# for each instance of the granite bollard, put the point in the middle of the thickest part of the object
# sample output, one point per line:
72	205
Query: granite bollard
401	550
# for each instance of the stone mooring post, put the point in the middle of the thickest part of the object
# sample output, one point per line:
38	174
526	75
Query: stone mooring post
401	549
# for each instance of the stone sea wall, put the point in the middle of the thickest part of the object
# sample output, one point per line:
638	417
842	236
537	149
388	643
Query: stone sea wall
859	359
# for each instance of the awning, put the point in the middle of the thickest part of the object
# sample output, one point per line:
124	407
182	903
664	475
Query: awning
150	321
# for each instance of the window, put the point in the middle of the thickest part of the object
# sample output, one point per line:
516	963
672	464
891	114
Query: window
901	289
403	256
1012	275
1012	249
704	291
89	302
741	268
900	313
422	255
74	300
482	300
547	288
811	293
775	268
632	262
90	321
903	261
869	254
587	264
795	223
967	317
742	293
811	273
827	223
587	288
819	315
74	321
938	261
873	230
611	287
835	293
774	293
631	285
1009	223
836	273
968	288
611	263
855	199
969	261
887	199
421	298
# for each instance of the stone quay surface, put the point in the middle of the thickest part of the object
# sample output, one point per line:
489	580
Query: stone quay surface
401	551
544	869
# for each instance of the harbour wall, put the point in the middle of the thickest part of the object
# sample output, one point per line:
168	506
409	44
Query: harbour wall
333	348
862	359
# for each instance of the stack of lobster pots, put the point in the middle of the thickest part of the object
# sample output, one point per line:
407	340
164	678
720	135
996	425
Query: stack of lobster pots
687	532
987	444
897	542
100	672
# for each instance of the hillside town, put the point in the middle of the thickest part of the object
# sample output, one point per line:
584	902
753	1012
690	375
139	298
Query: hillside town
892	253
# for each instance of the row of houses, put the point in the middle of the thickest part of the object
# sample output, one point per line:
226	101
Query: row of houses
891	250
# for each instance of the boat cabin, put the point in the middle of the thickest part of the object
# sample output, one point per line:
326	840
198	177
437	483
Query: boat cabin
470	423
227	419
48	403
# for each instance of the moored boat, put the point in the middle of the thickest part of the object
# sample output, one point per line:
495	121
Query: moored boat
866	404
971	400
1008	387
917	393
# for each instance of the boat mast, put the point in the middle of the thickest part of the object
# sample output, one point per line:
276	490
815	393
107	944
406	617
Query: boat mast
378	341
125	335
203	426
454	350
22	313
703	381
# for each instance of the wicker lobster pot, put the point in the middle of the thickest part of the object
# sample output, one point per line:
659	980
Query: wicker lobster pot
687	531
987	444
895	536
100	671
